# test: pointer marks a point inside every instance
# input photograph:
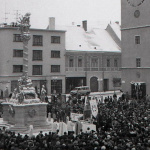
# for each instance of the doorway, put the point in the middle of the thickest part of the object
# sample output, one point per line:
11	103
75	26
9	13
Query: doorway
94	84
106	84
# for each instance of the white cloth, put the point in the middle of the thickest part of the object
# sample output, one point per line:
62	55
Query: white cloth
70	126
62	128
54	127
57	125
49	117
31	131
94	107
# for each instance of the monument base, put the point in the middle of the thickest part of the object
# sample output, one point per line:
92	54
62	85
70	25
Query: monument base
20	116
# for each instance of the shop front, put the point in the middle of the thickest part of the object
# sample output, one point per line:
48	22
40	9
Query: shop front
138	90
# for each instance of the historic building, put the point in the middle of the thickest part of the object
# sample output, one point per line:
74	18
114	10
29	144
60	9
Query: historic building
93	58
135	30
63	59
46	58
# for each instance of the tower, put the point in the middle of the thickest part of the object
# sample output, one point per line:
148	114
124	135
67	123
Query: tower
135	32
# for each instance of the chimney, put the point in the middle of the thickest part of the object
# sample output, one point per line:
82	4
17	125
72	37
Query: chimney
117	22
51	23
84	24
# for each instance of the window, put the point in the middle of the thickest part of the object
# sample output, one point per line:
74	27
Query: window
94	62
71	62
17	38
55	39
115	62
56	86
55	54
108	62
17	68
79	62
138	62
117	82
55	68
37	40
137	39
37	54
37	70
17	53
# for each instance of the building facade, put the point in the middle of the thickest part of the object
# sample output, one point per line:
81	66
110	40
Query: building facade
97	70
63	59
135	30
46	59
93	58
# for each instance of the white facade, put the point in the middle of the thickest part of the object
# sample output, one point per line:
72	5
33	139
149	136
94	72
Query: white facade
7	60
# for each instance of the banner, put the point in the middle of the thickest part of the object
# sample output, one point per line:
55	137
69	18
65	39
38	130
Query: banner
94	108
75	116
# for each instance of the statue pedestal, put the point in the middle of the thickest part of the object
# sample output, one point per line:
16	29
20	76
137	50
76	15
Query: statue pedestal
21	116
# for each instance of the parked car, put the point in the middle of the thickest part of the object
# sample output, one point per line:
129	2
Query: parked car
81	90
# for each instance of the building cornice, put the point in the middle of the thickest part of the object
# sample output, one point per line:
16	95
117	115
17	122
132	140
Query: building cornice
146	26
135	67
31	29
91	51
33	76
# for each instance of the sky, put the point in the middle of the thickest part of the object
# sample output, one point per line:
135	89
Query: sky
96	12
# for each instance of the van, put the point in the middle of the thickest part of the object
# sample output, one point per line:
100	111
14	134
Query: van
81	90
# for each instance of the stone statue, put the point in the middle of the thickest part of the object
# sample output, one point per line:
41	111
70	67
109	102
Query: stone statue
20	97
43	93
24	23
6	93
14	94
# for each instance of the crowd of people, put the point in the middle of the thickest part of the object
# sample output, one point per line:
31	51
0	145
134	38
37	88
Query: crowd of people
60	109
122	124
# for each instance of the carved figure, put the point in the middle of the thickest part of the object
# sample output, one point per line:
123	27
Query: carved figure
14	94
43	93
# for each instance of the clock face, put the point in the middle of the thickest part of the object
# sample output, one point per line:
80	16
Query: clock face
135	3
136	13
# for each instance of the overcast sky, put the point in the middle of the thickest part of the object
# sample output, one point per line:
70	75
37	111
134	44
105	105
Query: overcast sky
96	12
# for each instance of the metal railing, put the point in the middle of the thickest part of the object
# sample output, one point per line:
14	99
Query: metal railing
93	68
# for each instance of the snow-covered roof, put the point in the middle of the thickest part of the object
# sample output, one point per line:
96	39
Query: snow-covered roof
116	28
97	39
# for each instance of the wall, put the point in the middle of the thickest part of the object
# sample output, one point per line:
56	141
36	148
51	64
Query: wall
101	72
132	26
7	60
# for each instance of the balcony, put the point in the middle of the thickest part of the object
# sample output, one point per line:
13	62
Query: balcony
74	69
93	69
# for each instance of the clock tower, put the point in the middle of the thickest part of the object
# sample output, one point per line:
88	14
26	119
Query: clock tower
135	38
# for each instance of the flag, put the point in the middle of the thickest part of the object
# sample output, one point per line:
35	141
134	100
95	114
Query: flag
94	108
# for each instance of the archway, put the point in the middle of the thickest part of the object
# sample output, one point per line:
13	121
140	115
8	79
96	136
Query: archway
94	84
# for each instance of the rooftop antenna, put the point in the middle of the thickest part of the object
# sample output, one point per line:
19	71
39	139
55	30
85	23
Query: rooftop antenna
6	13
17	15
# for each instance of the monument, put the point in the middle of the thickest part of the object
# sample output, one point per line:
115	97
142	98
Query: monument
25	108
